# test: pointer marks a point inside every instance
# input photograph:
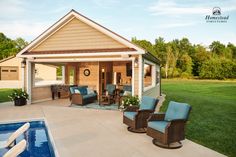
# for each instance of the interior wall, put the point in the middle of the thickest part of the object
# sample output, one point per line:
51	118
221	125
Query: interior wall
92	79
121	67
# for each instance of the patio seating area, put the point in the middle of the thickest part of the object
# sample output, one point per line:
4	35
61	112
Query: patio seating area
77	131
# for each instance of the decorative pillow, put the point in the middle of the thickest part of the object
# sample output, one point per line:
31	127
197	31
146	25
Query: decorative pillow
127	93
76	91
90	91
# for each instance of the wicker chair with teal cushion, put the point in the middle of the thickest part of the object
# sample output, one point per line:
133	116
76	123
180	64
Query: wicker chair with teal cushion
126	88
110	89
168	129
136	117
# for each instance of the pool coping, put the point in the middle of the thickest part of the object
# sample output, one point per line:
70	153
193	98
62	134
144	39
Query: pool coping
37	119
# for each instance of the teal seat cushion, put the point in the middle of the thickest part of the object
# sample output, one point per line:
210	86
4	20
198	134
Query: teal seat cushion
89	96
158	125
177	110
148	103
72	90
111	89
127	88
130	115
83	90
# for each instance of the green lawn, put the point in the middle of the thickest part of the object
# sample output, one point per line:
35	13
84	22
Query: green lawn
4	94
213	118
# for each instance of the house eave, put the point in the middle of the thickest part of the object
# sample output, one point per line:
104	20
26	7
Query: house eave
86	20
81	54
151	58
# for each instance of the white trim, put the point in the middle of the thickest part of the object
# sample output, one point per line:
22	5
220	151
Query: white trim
81	60
153	74
133	60
28	82
140	64
98	79
82	54
23	78
33	74
53	28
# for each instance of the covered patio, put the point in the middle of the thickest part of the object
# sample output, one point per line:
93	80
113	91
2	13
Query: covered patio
88	132
90	55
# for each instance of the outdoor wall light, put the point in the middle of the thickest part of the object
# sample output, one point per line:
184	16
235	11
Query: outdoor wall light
136	62
23	63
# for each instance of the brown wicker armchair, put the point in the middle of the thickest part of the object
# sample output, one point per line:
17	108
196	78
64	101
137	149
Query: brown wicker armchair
136	117
167	130
110	92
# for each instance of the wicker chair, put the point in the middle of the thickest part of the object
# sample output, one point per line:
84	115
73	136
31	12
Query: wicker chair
110	89
168	129
136	117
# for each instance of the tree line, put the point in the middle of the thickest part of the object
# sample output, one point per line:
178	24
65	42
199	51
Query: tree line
180	58
9	47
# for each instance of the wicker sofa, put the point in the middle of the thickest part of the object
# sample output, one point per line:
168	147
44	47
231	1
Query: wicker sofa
82	95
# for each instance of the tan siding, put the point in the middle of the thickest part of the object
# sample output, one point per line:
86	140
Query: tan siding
136	81
78	35
12	62
92	79
41	93
16	62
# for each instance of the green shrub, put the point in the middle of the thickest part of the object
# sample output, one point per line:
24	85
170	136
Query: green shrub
185	75
218	68
130	101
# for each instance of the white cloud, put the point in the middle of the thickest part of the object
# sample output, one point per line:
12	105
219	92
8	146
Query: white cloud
11	8
163	7
175	25
25	30
106	3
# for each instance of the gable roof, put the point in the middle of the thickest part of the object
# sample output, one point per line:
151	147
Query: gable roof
5	59
73	14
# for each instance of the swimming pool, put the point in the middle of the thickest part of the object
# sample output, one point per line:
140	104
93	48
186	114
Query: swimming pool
38	142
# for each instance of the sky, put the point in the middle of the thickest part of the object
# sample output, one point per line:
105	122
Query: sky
143	19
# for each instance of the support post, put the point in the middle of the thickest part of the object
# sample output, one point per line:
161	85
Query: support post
28	81
140	64
63	75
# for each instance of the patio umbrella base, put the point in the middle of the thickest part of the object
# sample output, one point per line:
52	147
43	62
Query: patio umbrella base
174	145
140	130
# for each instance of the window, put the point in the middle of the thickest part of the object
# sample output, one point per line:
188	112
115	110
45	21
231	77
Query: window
147	75
47	74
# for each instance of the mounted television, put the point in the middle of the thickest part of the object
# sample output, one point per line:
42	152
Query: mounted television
128	69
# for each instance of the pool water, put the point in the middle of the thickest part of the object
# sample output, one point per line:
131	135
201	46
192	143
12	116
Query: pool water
38	142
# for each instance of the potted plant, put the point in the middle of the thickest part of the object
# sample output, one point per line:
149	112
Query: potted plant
129	101
19	97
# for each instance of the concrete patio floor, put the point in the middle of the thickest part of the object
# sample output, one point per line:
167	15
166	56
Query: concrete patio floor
87	132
